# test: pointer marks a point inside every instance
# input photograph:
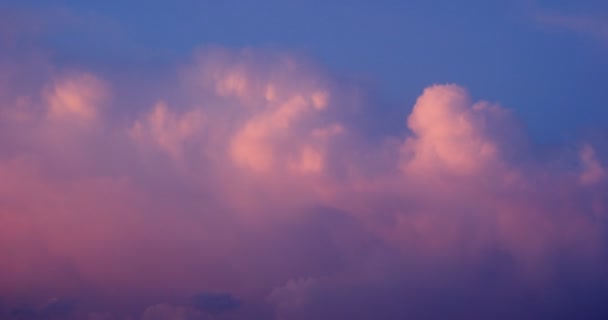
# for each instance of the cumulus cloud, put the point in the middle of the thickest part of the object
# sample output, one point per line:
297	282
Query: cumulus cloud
256	187
452	134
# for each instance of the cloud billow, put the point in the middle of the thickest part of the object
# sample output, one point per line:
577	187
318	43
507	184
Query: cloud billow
257	188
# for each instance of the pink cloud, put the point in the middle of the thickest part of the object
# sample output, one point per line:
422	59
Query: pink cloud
256	182
75	98
591	25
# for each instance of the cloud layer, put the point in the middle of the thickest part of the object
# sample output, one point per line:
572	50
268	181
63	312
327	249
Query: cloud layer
250	191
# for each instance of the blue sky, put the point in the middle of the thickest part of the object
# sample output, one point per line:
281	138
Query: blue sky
552	72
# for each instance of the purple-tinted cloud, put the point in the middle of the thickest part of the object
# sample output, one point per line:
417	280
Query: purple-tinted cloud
255	186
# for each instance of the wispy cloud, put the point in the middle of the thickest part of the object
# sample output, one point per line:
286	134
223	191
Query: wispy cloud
584	24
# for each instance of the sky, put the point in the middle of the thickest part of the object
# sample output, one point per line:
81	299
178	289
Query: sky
299	160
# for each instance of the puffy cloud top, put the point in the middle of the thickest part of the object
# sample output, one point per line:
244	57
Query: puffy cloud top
255	181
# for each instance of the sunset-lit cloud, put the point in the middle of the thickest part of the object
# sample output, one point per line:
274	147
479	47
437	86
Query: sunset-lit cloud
75	98
584	24
254	195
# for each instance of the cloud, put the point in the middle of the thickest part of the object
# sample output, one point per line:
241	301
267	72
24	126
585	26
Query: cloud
452	134
585	24
169	312
53	309
215	302
167	131
75	98
593	170
254	179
